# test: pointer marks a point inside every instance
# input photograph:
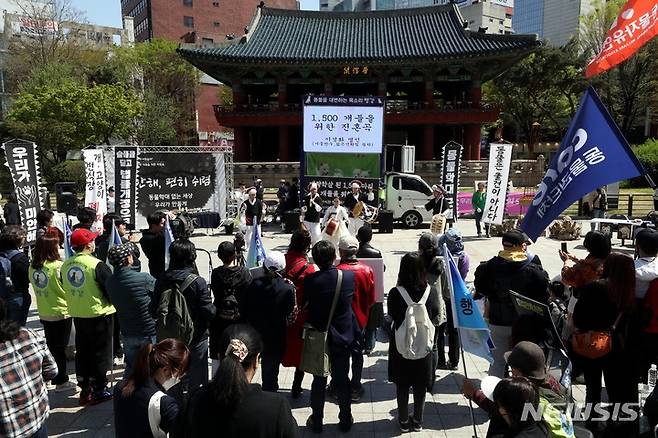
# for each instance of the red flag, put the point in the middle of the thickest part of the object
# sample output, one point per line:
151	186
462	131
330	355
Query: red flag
635	25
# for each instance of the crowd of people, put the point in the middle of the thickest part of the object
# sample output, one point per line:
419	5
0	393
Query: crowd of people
168	324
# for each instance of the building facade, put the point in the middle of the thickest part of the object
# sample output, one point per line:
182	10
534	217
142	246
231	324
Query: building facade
422	60
200	22
556	21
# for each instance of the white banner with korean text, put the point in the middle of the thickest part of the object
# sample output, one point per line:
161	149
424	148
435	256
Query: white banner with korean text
95	185
500	158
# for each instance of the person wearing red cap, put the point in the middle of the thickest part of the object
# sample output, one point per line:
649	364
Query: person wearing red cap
83	279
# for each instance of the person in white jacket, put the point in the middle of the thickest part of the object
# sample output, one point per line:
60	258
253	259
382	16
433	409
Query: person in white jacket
338	213
646	264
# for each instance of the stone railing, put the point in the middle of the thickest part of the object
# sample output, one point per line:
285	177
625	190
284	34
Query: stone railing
523	173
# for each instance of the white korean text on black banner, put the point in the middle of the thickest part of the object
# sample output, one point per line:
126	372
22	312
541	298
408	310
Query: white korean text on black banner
125	182
331	187
452	155
23	162
500	158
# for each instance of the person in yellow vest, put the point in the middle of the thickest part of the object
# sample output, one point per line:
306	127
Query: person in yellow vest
46	281
83	278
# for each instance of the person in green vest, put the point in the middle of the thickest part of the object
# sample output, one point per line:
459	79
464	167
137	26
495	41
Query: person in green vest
478	202
44	274
83	278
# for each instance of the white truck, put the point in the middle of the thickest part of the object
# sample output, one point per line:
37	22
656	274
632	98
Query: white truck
406	196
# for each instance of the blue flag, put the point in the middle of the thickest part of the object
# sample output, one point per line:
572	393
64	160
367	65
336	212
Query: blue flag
592	154
256	253
115	240
169	237
68	252
473	330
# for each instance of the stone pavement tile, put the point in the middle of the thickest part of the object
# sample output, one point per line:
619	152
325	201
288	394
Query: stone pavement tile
459	423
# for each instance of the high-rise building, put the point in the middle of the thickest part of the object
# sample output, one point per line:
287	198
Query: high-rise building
203	22
556	21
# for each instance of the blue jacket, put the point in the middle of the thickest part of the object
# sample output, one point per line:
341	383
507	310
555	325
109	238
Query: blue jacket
131	292
319	289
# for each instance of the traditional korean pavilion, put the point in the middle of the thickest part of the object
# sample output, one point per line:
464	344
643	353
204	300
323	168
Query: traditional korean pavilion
424	61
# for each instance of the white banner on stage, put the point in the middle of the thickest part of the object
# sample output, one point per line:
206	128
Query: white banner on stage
500	158
95	185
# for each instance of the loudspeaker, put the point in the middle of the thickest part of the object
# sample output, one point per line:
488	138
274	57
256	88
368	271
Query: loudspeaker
64	187
385	220
67	203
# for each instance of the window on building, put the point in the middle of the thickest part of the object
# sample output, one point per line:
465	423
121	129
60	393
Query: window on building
141	27
215	23
215	4
188	21
491	20
500	21
188	2
206	41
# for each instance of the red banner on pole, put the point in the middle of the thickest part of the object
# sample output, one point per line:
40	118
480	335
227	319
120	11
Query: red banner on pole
635	25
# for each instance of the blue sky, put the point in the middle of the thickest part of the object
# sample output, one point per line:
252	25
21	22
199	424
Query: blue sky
108	12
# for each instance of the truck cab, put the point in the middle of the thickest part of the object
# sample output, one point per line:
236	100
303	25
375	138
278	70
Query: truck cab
406	196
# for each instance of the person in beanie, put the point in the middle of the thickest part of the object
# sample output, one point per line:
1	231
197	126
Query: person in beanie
268	304
130	292
228	282
511	269
362	302
83	280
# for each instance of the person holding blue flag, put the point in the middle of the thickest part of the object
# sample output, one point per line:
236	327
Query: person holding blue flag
114	233
593	153
511	269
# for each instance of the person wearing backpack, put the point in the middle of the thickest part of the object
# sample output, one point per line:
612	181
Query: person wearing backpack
130	292
605	312
83	280
511	269
268	304
227	283
182	308
413	304
15	265
321	289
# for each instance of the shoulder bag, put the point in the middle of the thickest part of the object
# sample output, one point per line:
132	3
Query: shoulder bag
594	344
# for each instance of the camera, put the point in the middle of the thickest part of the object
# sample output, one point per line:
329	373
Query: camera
182	226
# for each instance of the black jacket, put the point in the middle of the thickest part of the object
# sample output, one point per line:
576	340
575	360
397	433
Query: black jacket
258	415
496	277
226	281
131	413
153	245
20	266
366	251
437	206
197	297
130	293
350	201
12	216
266	305
319	290
103	246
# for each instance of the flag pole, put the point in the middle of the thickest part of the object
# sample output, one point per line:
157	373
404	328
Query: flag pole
470	402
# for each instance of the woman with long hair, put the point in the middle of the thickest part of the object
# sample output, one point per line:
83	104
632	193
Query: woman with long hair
141	406
297	268
512	397
405	373
231	405
608	305
45	278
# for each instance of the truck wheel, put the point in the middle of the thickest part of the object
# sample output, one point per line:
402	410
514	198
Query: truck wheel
412	219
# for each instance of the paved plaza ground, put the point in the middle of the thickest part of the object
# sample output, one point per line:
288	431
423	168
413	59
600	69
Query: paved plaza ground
446	413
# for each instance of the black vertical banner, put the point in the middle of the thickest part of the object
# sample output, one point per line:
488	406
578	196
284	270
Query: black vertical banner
452	155
23	162
125	182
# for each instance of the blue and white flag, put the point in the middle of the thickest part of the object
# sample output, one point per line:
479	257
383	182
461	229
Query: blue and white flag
473	330
256	253
115	240
592	154
68	251
169	237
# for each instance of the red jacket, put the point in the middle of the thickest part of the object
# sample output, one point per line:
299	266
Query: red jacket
364	289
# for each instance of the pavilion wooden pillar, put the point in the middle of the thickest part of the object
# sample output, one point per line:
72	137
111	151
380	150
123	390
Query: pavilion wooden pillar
283	92
328	87
240	135
472	142
382	86
427	151
284	146
429	93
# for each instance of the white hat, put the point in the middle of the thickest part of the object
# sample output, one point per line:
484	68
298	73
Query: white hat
488	386
275	260
348	242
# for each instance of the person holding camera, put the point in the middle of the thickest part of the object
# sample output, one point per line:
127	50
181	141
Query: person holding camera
153	243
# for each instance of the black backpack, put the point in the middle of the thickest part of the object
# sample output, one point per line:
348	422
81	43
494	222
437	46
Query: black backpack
173	318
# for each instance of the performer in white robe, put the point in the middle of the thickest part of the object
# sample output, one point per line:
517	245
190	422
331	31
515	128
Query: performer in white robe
312	209
351	201
340	215
251	211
